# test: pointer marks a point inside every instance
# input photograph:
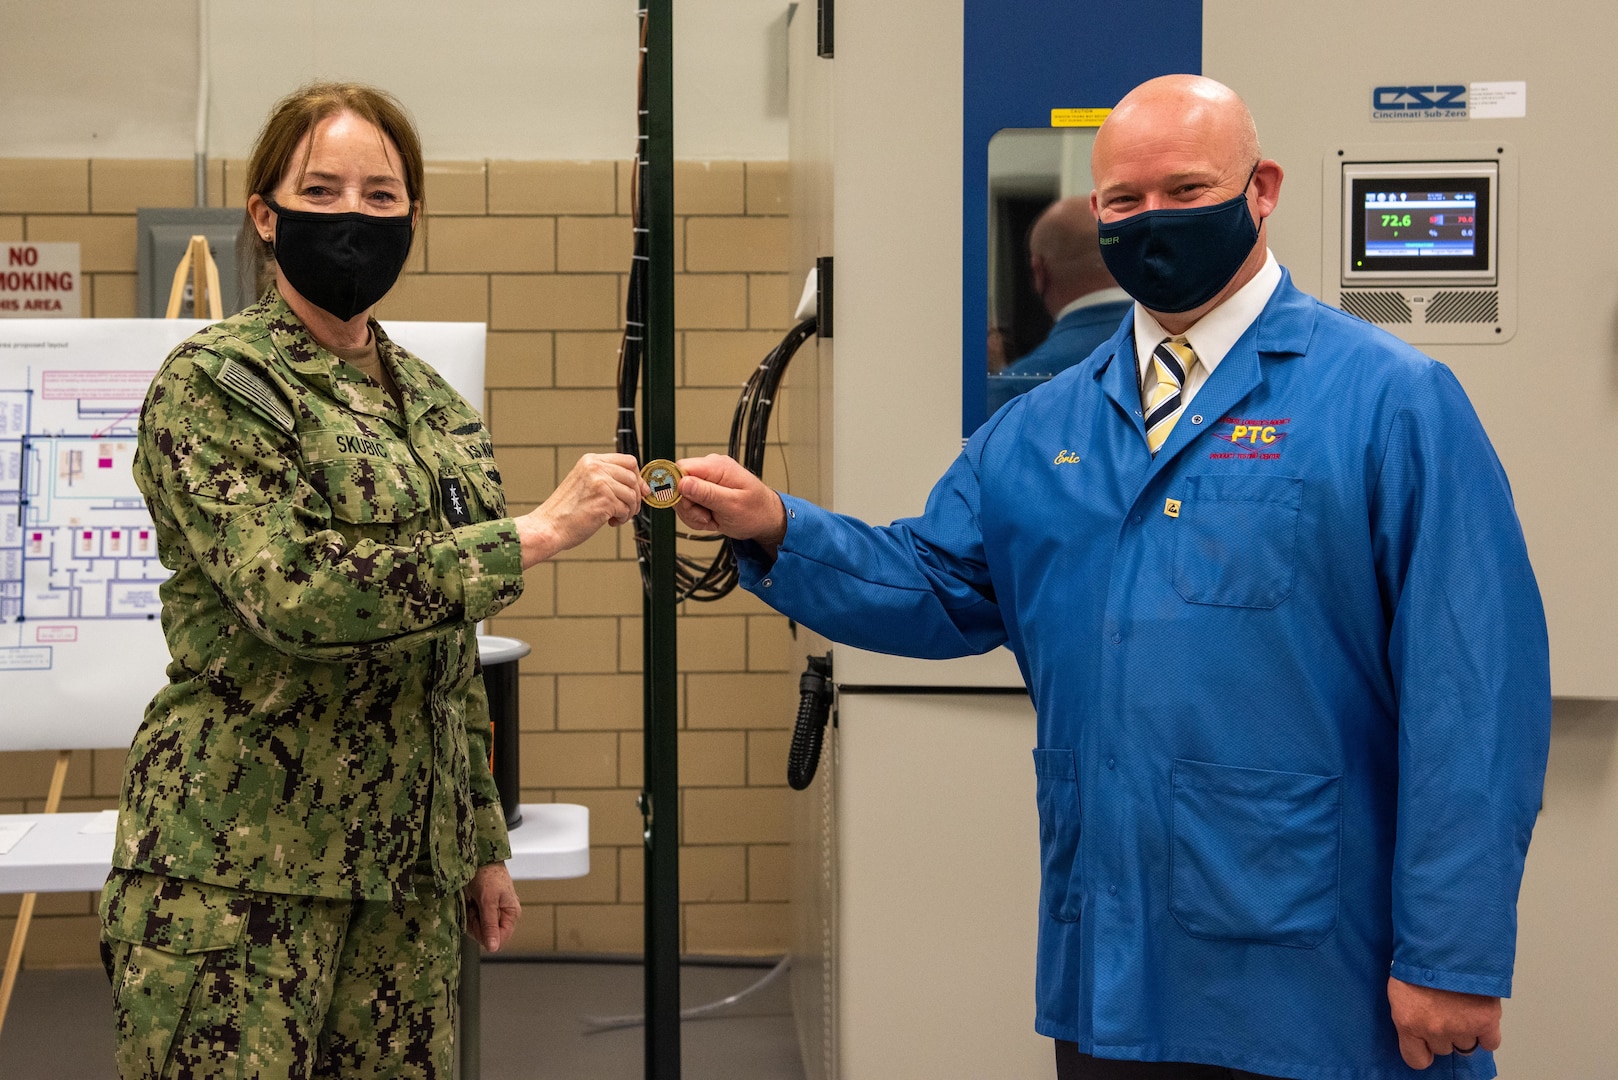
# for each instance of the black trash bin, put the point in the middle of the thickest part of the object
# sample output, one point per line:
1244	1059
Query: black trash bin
499	656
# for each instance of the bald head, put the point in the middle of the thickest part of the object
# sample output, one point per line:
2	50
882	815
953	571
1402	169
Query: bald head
1064	254
1184	142
1184	110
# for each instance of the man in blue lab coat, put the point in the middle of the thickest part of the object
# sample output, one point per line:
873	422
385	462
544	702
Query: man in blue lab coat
1073	283
1262	573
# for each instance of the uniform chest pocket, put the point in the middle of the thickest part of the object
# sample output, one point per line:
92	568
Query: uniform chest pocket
1236	540
365	477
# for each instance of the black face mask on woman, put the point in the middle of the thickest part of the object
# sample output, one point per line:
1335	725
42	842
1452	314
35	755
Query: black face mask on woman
1178	259
341	263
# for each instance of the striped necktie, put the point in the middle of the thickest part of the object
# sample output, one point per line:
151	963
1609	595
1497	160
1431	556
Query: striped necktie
1164	394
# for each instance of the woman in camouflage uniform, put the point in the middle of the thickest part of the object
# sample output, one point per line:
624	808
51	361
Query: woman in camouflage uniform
308	821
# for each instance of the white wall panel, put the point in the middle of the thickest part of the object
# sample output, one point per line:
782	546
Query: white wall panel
514	79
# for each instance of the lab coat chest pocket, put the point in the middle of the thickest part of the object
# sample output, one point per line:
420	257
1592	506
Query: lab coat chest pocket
1057	791
1255	854
1236	540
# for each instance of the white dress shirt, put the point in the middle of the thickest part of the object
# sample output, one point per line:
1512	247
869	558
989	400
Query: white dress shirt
1212	335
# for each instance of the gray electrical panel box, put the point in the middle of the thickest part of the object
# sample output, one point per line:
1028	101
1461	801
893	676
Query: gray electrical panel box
162	237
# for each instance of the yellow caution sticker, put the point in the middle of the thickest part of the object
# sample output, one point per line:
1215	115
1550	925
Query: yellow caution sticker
1171	507
1078	117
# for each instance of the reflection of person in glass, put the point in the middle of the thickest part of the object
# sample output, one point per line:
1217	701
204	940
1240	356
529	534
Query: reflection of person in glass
1288	658
1074	285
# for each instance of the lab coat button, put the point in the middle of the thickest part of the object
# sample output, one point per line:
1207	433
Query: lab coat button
1112	890
766	583
1135	520
1116	638
1112	763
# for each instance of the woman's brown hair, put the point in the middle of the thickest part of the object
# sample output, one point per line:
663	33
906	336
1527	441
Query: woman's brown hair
293	117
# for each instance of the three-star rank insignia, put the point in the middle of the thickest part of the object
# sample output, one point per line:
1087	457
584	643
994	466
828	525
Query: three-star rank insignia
454	497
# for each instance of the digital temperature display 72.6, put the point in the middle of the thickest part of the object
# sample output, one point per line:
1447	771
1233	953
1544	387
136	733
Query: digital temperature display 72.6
1431	226
1421	223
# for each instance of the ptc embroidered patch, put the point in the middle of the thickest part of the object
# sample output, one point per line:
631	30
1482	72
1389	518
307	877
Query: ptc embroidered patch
1251	439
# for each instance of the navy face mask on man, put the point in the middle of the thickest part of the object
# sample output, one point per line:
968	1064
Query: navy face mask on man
1178	259
341	263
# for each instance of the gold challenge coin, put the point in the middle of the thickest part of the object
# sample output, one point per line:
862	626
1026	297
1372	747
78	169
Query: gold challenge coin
663	477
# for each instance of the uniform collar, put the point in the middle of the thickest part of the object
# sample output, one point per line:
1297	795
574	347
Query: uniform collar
322	368
417	392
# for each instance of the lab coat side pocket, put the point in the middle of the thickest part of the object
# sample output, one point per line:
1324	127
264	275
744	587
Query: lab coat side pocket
1057	791
1256	854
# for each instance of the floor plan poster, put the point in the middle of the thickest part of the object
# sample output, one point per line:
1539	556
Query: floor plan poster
81	650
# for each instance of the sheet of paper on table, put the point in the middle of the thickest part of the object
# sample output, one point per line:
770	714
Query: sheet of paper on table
104	822
11	832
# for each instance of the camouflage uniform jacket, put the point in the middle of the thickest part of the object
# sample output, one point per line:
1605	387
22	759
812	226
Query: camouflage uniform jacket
324	729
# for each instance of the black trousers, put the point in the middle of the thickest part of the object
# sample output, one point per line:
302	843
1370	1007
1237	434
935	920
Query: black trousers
1072	1065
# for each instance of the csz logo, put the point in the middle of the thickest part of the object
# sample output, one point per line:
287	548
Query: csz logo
1418	103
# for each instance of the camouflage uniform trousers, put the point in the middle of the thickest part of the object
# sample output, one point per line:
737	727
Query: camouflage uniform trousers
216	982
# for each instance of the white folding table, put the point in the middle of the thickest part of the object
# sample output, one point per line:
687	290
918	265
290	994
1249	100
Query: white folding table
73	853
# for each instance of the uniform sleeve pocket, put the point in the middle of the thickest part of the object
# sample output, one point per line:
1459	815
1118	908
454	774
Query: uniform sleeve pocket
1057	789
1255	854
484	481
1236	540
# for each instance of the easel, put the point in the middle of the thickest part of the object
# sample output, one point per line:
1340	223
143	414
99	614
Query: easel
25	914
198	263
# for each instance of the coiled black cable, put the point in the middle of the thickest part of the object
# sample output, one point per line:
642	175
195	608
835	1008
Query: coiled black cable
694	578
809	733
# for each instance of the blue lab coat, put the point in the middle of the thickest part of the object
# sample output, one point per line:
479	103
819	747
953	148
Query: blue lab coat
1292	682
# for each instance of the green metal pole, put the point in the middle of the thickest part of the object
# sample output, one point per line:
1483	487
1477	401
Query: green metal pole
660	672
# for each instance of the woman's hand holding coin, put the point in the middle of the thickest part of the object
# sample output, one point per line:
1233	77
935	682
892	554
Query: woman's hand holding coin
602	489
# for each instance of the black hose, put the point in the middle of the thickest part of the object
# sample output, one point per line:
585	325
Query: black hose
809	733
696	579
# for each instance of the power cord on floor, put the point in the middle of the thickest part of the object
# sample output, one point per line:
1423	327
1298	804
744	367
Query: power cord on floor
711	1011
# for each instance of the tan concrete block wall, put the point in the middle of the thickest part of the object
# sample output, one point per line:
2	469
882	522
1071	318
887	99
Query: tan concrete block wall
540	251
